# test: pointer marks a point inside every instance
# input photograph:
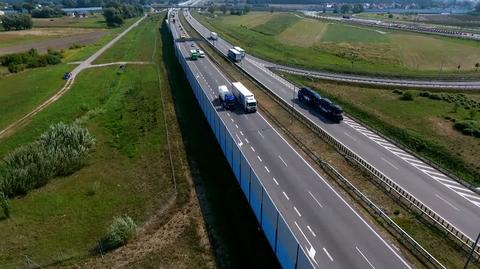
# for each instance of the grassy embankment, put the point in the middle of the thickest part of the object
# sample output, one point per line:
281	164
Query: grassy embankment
424	125
22	92
128	174
338	47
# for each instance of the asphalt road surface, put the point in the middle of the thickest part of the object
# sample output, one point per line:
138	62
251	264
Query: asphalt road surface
327	227
443	195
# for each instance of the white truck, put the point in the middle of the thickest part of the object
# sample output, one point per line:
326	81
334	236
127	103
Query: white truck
213	36
242	51
234	55
244	97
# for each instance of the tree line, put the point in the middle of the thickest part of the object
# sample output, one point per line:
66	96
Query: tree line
31	59
16	22
115	13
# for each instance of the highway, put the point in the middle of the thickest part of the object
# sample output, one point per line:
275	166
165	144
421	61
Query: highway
332	233
440	193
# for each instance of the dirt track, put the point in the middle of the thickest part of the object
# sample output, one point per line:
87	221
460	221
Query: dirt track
57	43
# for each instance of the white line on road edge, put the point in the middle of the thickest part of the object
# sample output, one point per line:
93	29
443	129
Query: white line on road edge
282	160
309	192
284	194
365	257
311	251
328	254
296	210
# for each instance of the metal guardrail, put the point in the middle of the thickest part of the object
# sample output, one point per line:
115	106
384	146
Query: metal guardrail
389	186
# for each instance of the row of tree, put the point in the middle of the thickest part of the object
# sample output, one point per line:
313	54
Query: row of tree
116	13
237	10
347	8
47	12
31	59
16	22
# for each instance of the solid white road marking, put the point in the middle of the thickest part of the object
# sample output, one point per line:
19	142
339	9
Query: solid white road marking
447	202
284	194
311	231
282	160
328	254
365	257
276	182
298	212
318	203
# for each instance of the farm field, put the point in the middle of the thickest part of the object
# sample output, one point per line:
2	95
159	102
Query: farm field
92	21
59	34
424	125
339	47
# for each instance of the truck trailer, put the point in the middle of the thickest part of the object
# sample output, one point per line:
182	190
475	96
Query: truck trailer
234	55
242	51
244	97
322	105
213	36
226	97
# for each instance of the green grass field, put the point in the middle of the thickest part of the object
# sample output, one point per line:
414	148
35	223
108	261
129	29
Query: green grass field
423	124
93	21
20	93
127	49
127	168
347	48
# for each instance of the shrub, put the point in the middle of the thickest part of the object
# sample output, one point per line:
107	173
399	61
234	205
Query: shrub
425	94
407	96
397	91
121	230
435	96
31	59
61	150
5	205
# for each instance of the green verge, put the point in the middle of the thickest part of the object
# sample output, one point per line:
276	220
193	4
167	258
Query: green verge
127	49
20	93
422	125
368	52
126	171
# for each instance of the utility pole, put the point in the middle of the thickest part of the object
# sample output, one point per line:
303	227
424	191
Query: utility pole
471	252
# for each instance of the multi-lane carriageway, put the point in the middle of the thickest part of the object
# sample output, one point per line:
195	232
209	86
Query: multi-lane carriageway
443	195
332	233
